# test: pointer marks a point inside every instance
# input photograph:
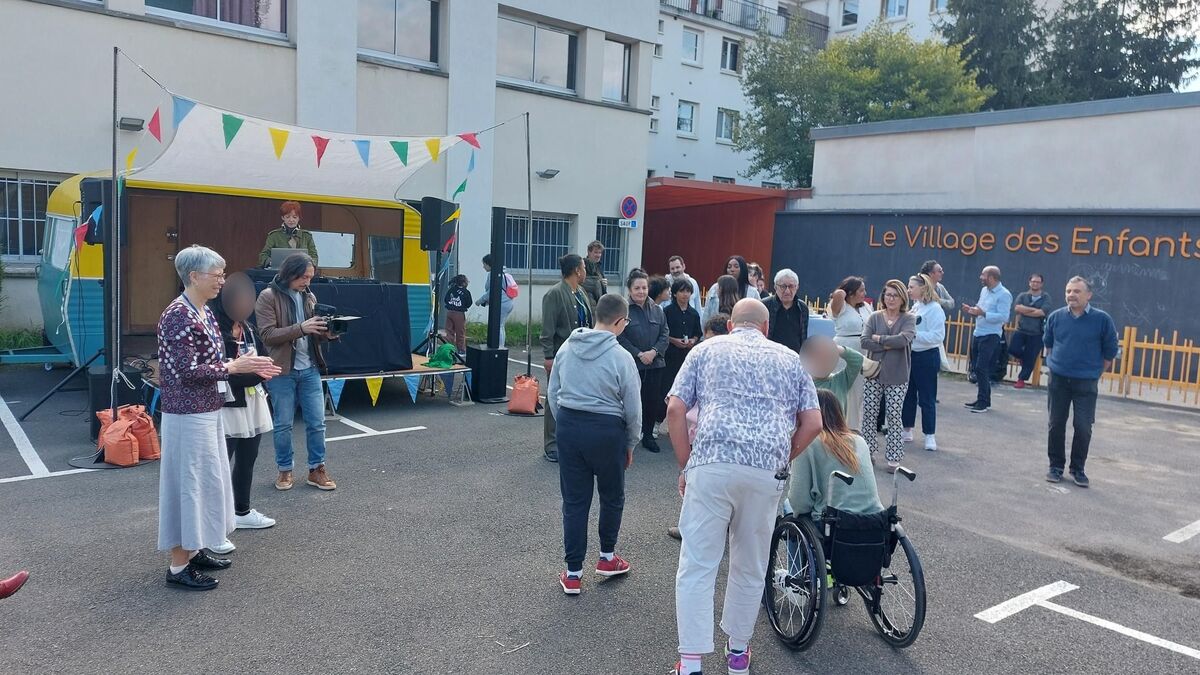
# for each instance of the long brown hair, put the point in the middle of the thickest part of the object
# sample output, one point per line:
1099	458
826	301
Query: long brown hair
727	293
835	435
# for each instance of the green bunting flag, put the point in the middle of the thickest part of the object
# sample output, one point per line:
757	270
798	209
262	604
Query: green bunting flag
461	189
232	124
401	148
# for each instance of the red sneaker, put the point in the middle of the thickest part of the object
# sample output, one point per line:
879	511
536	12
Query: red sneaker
13	584
1019	384
570	584
612	568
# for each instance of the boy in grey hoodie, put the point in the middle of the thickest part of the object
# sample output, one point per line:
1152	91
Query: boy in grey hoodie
595	396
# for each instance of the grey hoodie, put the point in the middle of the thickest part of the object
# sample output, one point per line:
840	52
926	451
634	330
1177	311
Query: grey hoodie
593	373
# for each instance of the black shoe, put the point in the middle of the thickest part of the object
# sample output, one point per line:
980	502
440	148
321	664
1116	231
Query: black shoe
203	561
972	404
650	444
971	378
1054	476
191	579
551	456
1081	479
981	408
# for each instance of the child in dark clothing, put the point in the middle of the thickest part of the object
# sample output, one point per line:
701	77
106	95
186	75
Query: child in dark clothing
458	301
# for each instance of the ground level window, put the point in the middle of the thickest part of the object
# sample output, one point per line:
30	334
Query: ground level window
613	236
23	217
551	238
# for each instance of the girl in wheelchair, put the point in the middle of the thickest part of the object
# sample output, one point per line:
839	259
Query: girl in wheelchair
837	448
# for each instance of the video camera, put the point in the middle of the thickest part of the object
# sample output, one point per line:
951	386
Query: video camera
337	324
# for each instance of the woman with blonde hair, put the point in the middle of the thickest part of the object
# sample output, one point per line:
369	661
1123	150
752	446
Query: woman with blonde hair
926	359
722	301
887	338
837	448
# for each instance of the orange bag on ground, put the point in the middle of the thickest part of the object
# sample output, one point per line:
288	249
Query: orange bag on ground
143	429
119	444
524	397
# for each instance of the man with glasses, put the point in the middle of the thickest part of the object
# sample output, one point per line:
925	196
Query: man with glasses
789	319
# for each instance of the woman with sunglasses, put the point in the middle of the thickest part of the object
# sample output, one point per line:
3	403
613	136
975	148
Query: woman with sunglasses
887	338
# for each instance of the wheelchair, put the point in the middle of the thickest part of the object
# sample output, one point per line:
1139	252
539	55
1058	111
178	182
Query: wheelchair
870	554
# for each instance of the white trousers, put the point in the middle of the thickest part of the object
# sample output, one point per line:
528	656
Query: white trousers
723	498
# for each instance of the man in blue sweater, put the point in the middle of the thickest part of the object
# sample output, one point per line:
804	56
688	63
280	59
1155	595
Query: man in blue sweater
1081	343
991	313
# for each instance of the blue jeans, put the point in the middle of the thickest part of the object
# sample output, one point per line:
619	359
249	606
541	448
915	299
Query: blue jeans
922	391
303	386
1027	348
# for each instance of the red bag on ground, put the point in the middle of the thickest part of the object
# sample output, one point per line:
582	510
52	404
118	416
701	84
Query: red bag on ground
524	397
119	444
143	429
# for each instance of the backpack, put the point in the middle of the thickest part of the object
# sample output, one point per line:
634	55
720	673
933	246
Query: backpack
510	286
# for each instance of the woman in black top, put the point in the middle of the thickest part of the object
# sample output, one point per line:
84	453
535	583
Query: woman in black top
645	336
683	333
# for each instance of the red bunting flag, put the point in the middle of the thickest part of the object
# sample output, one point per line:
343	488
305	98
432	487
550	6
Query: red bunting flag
320	143
470	138
155	126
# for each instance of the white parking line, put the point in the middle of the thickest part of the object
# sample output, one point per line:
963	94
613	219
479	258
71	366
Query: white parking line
355	425
523	363
1040	597
374	433
1184	533
36	467
17	479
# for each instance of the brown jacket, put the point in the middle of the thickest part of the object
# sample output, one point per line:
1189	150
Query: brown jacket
279	330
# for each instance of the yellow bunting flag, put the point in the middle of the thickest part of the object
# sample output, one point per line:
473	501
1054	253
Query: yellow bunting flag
279	139
455	216
434	145
129	160
374	384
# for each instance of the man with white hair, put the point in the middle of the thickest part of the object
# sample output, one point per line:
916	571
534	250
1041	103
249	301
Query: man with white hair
758	410
788	318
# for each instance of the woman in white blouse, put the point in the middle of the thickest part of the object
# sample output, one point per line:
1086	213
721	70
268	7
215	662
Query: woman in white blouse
926	360
849	310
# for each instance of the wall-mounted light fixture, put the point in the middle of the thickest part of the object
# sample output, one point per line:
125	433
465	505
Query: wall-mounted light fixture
547	173
131	124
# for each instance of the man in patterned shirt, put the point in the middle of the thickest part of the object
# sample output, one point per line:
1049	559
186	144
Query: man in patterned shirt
758	411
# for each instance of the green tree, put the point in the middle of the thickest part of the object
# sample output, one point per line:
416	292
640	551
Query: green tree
1002	41
878	75
1164	38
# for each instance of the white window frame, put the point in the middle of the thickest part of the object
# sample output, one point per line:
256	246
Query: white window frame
662	26
934	6
658	49
627	67
616	242
857	13
435	41
655	102
690	133
724	180
685	175
733	115
654	125
772	185
39	232
895	5
725	48
572	77
184	17
548	253
699	60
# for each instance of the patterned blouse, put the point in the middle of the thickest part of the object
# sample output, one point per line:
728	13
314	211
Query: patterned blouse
189	360
749	390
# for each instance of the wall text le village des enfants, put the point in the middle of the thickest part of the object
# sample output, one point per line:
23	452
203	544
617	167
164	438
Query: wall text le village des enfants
1083	241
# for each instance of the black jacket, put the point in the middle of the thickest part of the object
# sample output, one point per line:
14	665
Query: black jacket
647	329
458	300
237	383
774	308
681	323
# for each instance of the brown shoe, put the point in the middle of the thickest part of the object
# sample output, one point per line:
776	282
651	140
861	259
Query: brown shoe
674	532
284	482
320	480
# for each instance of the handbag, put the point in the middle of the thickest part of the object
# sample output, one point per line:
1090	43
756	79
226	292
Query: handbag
524	397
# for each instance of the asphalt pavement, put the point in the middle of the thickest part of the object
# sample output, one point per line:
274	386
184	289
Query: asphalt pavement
440	549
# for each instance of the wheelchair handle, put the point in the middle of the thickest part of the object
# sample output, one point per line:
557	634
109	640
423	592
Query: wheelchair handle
840	475
901	471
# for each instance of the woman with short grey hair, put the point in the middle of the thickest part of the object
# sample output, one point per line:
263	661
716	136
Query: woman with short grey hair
195	494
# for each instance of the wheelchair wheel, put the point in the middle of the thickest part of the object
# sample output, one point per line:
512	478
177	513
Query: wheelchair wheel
795	594
897	602
841	595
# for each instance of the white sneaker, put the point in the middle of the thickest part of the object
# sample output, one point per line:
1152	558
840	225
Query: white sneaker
654	432
907	435
224	547
930	442
253	521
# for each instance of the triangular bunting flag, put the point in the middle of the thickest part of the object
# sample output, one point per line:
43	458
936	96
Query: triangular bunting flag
129	160
470	138
471	163
181	107
448	383
458	191
454	216
434	145
374	384
414	383
401	148
155	126
279	139
364	151
335	391
320	143
468	374
231	124
80	233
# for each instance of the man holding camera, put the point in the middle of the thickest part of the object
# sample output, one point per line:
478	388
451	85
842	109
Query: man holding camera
292	334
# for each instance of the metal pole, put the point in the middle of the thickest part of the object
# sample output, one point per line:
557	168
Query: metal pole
111	247
529	252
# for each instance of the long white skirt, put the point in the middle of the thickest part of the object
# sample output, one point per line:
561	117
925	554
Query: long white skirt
195	492
854	397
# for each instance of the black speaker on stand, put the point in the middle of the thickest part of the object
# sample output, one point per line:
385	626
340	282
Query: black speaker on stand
489	364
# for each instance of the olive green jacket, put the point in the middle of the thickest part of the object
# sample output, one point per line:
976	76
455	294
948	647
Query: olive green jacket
560	317
279	239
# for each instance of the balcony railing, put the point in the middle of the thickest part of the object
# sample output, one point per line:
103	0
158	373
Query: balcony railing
749	15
